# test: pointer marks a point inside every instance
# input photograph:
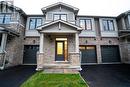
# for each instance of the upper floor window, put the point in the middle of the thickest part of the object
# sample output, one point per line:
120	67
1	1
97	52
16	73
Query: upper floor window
86	24
0	38
5	18
60	16
129	19
108	25
3	7
35	22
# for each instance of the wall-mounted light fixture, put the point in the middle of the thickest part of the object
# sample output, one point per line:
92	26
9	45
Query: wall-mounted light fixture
86	41
110	41
34	41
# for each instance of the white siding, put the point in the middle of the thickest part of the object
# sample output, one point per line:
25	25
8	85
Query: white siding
108	33
87	33
32	32
70	15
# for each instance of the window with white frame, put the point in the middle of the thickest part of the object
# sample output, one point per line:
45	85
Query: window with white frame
5	18
60	16
86	24
108	25
34	23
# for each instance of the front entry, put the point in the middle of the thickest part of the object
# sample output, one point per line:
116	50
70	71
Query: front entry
61	49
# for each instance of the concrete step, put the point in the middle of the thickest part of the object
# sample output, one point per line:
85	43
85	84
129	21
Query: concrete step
56	66
71	71
61	62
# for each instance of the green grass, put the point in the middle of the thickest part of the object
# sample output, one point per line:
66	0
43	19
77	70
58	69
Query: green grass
41	79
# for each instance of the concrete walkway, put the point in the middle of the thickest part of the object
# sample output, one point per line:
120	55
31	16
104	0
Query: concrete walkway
15	76
107	75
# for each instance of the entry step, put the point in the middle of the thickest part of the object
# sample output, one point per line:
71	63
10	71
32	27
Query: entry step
60	71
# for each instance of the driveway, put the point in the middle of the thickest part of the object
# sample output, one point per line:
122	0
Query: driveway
107	75
15	76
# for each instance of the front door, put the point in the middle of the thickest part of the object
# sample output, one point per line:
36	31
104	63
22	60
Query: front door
61	53
59	50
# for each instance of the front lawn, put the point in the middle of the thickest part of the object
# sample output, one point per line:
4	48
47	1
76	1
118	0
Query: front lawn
41	79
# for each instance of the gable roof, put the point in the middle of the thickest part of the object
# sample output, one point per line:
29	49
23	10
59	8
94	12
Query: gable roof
9	30
44	9
58	21
124	14
13	7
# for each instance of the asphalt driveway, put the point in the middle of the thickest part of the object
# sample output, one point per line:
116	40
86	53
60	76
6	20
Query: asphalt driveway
107	75
15	76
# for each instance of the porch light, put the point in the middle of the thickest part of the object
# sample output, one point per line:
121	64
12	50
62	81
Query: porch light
86	41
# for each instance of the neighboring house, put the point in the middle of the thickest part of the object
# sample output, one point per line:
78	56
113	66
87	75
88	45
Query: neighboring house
123	21
60	38
12	28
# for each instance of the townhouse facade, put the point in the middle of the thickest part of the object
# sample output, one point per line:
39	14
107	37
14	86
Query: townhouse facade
60	38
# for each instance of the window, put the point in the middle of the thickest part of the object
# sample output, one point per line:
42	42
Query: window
86	47
108	25
0	38
86	24
1	18
0	7
56	17
35	22
129	19
5	18
60	16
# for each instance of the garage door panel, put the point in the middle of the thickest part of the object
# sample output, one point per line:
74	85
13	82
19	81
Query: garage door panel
88	55
30	52
110	54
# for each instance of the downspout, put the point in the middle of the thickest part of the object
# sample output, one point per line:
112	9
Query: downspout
3	46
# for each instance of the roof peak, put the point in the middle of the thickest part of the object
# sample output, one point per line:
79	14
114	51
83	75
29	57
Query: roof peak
44	9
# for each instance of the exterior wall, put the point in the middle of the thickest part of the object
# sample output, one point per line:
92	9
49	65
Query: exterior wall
71	43
101	41
125	50
14	49
49	50
32	41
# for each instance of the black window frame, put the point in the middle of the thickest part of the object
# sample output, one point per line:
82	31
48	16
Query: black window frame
3	6
108	25
60	18
1	35
86	23
35	23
